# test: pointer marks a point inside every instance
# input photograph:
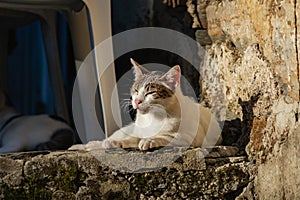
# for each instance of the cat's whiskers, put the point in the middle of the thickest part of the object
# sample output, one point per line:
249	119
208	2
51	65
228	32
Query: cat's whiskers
125	105
129	110
125	101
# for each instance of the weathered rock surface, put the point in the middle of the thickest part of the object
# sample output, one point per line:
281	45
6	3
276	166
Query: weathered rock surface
251	72
172	173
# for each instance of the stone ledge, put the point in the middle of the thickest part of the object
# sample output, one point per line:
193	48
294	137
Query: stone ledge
120	174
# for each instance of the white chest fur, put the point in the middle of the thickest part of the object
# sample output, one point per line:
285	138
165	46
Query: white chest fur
152	123
149	125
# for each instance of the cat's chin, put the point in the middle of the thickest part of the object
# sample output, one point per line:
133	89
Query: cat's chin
142	111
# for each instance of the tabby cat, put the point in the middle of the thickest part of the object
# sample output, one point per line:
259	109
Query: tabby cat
165	117
26	133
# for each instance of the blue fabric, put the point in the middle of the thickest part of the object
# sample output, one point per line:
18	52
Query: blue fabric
28	80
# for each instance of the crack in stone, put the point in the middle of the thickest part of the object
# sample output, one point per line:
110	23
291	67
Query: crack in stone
197	13
296	42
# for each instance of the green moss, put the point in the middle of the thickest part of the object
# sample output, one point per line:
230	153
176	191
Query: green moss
69	179
140	180
81	176
13	193
29	191
36	189
40	194
66	179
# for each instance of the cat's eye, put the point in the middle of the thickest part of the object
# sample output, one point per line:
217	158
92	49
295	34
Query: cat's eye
148	93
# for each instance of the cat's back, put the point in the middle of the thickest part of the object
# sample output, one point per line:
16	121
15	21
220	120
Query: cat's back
200	123
209	127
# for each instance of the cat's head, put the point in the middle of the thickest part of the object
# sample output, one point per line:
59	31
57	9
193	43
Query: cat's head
154	90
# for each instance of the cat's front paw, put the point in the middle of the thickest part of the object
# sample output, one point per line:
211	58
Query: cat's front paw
94	145
90	146
150	143
77	147
109	144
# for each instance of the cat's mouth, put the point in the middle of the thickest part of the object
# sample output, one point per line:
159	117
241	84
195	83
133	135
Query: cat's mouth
155	108
142	110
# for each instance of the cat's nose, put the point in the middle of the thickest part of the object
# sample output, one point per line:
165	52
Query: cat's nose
138	101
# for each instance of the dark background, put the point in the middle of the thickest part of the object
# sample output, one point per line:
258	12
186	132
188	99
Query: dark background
28	79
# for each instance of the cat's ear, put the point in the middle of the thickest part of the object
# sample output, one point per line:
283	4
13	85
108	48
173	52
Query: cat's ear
172	77
138	69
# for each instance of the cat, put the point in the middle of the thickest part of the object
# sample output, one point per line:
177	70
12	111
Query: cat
27	133
164	117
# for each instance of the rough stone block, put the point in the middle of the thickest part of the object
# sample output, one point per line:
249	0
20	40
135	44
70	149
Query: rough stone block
124	174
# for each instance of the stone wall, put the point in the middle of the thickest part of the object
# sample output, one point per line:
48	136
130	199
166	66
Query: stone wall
252	69
119	174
